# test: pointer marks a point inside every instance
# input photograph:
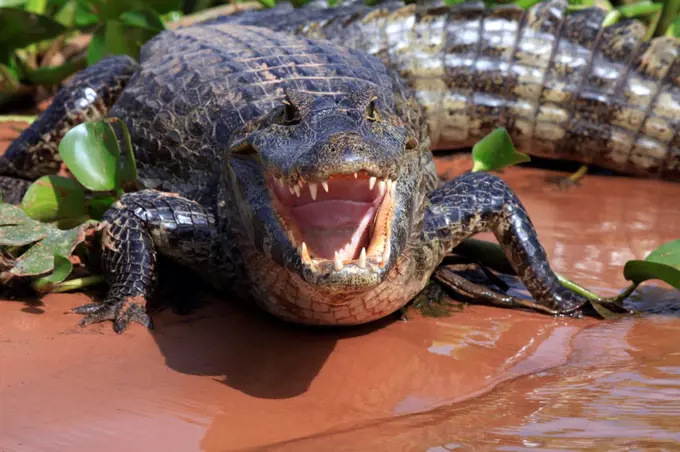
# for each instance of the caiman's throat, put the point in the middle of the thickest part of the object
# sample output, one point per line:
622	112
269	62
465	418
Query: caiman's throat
343	220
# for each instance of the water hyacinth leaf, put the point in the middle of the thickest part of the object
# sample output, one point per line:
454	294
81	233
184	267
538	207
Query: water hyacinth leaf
62	268
23	234
10	215
496	151
39	259
91	152
53	198
663	263
21	28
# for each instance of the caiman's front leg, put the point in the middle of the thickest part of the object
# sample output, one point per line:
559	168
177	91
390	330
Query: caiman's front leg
480	202
135	228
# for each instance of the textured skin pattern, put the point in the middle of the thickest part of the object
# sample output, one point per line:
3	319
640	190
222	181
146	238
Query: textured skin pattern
480	202
563	85
208	126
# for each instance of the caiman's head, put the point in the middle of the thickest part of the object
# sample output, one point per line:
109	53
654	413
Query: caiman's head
326	187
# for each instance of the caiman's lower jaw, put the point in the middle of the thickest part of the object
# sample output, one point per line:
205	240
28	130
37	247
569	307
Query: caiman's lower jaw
337	223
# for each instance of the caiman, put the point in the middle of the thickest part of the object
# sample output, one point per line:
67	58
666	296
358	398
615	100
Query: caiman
300	171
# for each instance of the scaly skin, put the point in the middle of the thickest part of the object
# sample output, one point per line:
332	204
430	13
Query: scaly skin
221	115
563	85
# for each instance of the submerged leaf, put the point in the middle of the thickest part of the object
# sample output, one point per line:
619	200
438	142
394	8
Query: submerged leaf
662	263
496	151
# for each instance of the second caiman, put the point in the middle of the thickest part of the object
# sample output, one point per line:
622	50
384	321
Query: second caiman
298	172
564	85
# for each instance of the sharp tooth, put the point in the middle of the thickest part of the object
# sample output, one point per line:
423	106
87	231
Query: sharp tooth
324	184
386	252
393	189
337	263
312	190
382	187
371	182
279	180
304	253
291	237
296	189
356	175
362	258
388	182
292	190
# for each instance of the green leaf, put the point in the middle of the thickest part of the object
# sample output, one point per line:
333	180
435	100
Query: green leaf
145	18
23	234
21	28
91	152
36	6
56	74
268	3
9	79
662	263
53	198
39	259
127	178
98	205
496	151
66	15
674	29
10	215
11	3
124	39
97	49
84	15
109	10
640	9
62	268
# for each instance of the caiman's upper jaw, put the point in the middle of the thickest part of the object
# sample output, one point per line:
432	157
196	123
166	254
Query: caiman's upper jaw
337	223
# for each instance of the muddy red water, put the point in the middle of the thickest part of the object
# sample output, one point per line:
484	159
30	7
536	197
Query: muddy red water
228	377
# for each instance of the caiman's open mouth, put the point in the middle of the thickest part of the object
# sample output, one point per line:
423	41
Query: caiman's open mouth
344	220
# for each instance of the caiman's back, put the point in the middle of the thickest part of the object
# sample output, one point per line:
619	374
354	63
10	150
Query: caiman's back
197	85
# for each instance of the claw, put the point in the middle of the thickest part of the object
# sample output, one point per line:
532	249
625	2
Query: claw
122	312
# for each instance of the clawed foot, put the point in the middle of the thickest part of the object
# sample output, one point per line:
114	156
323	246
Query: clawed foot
122	312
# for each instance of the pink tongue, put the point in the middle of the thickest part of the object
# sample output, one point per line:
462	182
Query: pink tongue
329	226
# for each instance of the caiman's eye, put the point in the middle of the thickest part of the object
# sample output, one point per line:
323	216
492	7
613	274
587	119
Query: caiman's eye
372	111
290	113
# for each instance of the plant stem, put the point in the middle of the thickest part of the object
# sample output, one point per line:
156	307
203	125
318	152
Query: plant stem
17	118
578	289
75	284
623	295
